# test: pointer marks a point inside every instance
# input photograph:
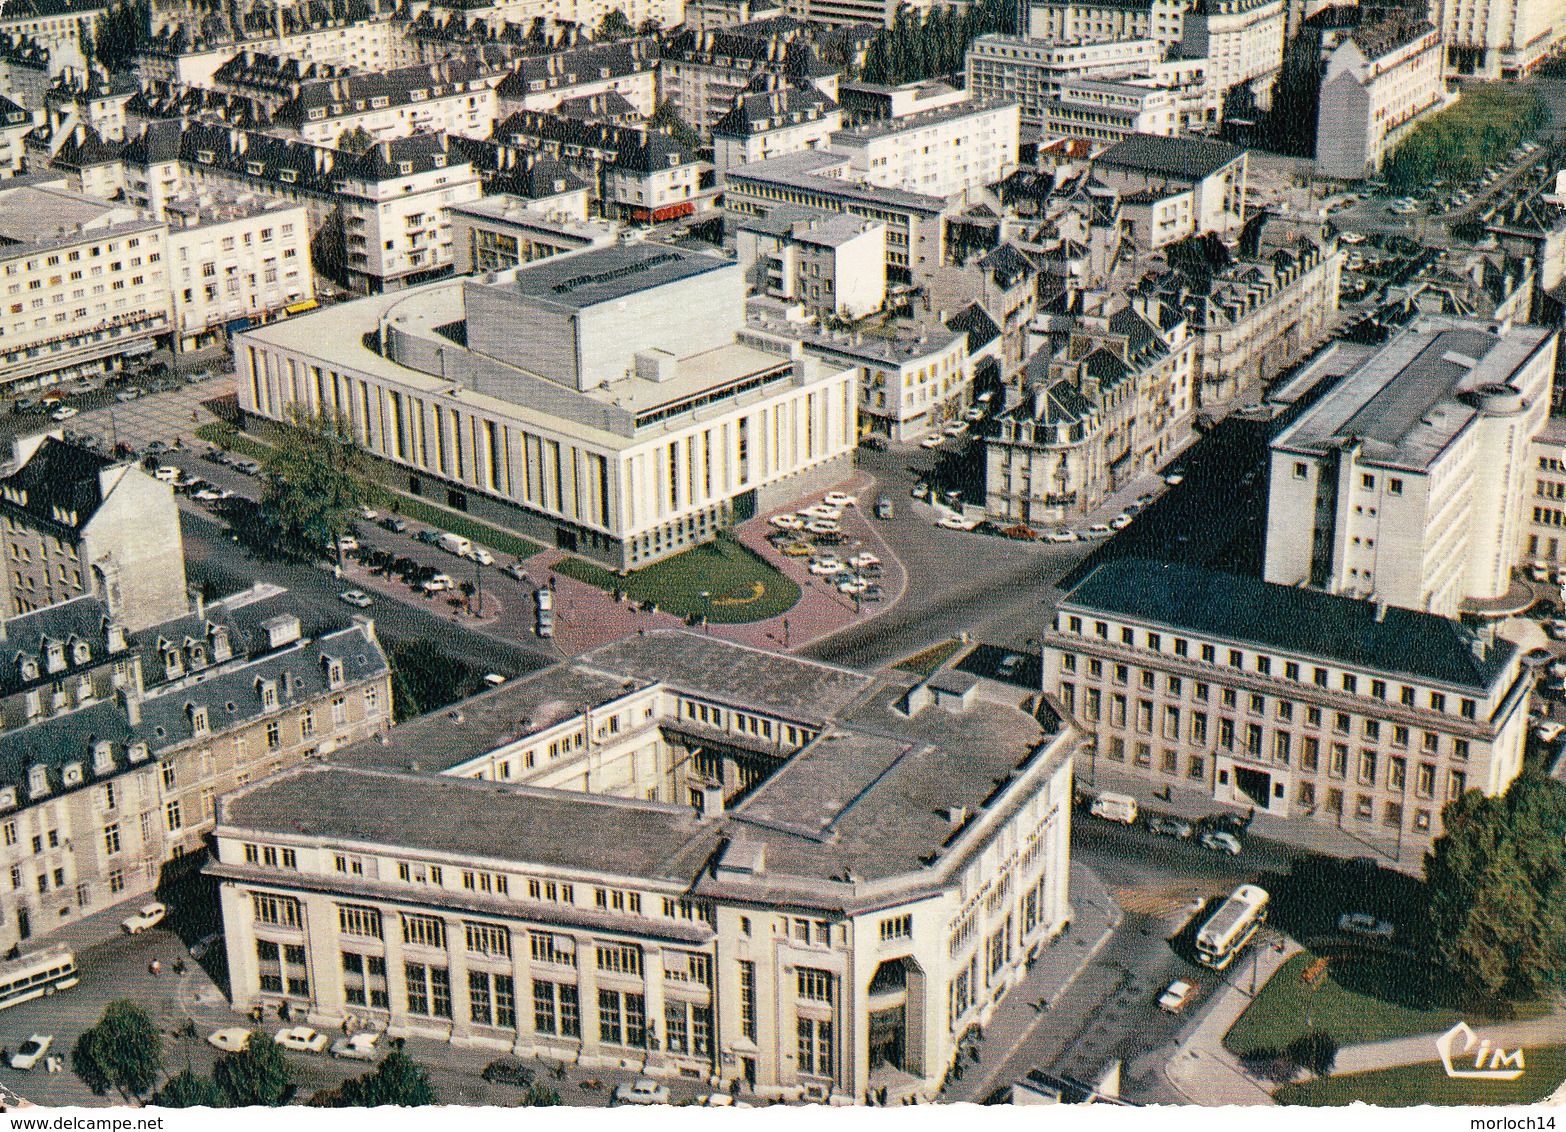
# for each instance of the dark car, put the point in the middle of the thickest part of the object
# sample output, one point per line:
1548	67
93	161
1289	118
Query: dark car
1171	827
1224	823
427	536
394	524
507	1071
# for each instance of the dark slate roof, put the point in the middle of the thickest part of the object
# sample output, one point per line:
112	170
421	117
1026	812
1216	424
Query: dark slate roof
976	321
157	144
1105	366
12	114
1291	619
606	106
760	111
1191	158
580	65
1007	266
58	485
348	95
84	147
634	149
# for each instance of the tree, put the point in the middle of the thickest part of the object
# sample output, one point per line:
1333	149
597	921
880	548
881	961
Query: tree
314	482
259	1074
1497	884
188	1090
614	26
425	678
124	1050
1315	1052
356	140
397	1080
539	1095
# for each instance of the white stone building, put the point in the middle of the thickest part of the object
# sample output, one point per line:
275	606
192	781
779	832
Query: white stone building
832	264
1241	41
954	150
1380	81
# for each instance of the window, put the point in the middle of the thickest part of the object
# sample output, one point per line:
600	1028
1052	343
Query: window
1394	486
353	919
747	983
172	815
426	931
487	939
815	1046
1299	469
814	985
111	838
897	927
280	910
620	959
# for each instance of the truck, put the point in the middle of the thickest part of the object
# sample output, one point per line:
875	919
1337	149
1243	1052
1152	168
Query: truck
1114	807
454	544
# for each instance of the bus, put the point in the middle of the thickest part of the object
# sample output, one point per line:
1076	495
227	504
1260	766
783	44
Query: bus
1225	935
33	976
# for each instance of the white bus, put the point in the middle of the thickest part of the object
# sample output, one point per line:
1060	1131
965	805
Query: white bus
33	976
1230	928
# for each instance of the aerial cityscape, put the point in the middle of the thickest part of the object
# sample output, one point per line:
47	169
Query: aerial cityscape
737	553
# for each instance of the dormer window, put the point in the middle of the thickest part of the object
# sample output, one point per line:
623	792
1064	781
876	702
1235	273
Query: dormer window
29	668
54	653
198	654
173	664
253	168
287	176
268	691
440	161
220	646
317	113
405	167
102	757
8	798
72	775
117	641
38	781
204	156
334	671
198	719
137	753
81	652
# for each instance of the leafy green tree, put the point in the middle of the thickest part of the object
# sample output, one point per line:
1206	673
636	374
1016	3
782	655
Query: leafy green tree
424	678
314	482
259	1074
1315	1052
123	1051
1497	884
614	26
188	1090
539	1095
397	1080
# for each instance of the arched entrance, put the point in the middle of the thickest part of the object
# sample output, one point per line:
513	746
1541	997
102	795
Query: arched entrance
896	1002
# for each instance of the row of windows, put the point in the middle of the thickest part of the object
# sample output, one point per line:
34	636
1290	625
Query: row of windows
1350	683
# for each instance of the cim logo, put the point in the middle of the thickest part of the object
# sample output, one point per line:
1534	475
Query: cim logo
1491	1063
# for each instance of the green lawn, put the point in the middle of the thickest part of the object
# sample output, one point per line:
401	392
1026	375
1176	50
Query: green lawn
384	498
926	662
738	585
1360	1000
1428	1084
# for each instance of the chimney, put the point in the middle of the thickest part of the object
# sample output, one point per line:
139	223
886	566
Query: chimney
130	704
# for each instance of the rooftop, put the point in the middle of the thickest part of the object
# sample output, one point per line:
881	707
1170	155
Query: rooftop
1292	619
605	275
1409	401
890	127
1191	158
812	170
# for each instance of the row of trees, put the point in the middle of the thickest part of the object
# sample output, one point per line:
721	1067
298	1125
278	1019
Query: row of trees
124	1052
932	45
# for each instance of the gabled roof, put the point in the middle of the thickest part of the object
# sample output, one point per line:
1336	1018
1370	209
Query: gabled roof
59	484
1105	366
157	144
1293	619
759	112
977	323
1183	157
1007	266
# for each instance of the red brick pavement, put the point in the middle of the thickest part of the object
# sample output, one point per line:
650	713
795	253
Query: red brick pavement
586	617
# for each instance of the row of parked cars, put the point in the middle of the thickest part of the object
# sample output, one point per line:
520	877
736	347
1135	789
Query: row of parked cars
1218	832
363	1046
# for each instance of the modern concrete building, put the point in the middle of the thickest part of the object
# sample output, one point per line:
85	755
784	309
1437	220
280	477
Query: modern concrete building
1030	72
1298	703
84	283
869	102
498	232
1506	40
1201	183
1380	80
600	402
1408	482
1240	40
235	262
957	149
118	742
1111	110
791	877
831	263
1107	21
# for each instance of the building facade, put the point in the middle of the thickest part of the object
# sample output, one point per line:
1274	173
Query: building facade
833	265
1096	21
1297	703
1379	82
498	232
719	940
948	152
1241	41
1417	499
1030	72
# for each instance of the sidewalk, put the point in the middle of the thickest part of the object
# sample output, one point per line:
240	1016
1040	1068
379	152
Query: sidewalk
1095	917
1302	832
1201	1069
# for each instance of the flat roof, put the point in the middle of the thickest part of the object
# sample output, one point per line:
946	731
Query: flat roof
918	120
804	171
1306	622
605	275
1402	404
1192	158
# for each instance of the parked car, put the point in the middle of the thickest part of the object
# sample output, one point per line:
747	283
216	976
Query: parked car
1061	535
934	440
1222	842
1175	996
788	521
428	537
508	1071
883	507
920	491
481	556
644	1091
301	1039
862	559
825	565
822	511
147	916
1099	530
166	474
1363	923
1121	521
957	523
439	583
838	499
394	524
956	428
213	494
30	1052
1170	827
357	1047
516	570
368	514
823	527
63	413
231	1039
799	549
973	415
356	598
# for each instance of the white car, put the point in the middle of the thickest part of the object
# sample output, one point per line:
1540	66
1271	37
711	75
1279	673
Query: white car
230	1040
356	598
368	514
63	413
863	559
822	567
1222	842
1061	535
642	1092
147	916
1121	521
357	1047
347	542
1175	997
213	494
838	499
853	585
481	556
1351	238
301	1039
720	1100
957	523
934	440
166	474
823	527
1175	478
1098	530
787	522
31	1051
974	414
823	511
1363	923
439	583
